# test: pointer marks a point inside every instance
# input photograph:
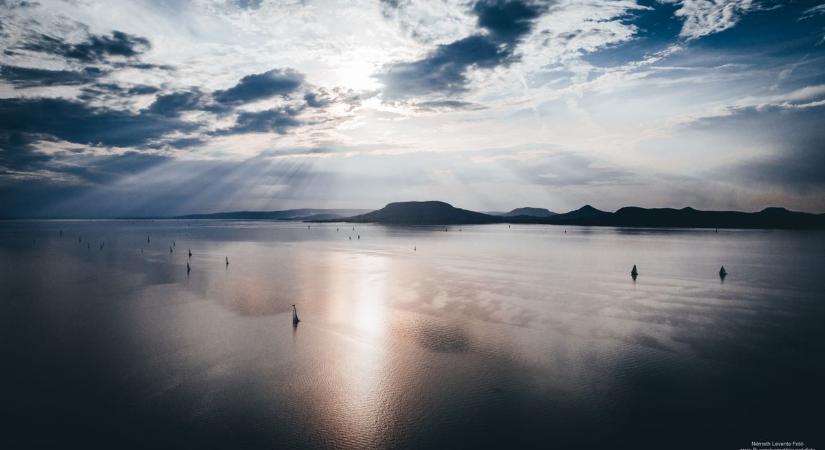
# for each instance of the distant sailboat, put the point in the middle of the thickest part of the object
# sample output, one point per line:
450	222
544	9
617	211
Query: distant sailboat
295	318
190	252
633	272
188	269
723	273
227	261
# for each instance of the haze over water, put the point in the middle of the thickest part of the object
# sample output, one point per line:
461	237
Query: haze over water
481	336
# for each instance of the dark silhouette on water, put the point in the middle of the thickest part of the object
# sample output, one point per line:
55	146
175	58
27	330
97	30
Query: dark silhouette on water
227	261
188	269
634	273
530	212
440	213
190	253
170	249
295	318
148	239
723	273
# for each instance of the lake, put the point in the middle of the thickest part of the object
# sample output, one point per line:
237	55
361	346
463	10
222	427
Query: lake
530	336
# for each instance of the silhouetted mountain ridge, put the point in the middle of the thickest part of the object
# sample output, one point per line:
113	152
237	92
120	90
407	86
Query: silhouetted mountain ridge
441	213
424	213
529	212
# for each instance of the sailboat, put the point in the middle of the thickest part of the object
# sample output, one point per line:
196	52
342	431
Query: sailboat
722	272
295	318
633	272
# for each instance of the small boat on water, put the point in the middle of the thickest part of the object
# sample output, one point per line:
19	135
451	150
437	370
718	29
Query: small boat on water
295	318
633	272
722	272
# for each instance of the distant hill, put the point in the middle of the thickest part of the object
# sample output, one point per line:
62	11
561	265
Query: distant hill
440	213
529	212
288	214
424	213
693	218
584	215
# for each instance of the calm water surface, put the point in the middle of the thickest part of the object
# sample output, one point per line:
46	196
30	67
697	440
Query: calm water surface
481	337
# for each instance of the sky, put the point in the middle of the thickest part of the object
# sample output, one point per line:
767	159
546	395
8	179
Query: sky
165	107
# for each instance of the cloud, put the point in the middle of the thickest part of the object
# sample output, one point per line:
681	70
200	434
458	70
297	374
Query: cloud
278	120
95	48
77	122
795	134
447	105
705	17
260	86
813	12
444	70
26	77
172	105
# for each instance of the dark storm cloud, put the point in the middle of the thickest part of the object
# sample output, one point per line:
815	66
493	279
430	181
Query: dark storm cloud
95	48
279	120
16	152
444	70
26	77
172	105
317	99
507	20
260	86
76	122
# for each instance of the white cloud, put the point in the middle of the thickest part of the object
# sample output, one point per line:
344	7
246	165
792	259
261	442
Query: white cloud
705	17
